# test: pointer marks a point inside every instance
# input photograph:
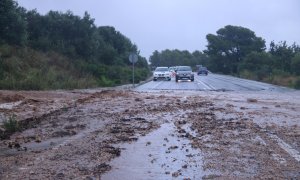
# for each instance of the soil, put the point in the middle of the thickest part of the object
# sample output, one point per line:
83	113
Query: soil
90	134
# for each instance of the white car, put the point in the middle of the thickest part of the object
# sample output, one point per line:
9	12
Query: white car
162	73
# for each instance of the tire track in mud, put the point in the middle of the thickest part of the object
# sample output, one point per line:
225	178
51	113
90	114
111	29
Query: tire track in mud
85	153
239	148
231	148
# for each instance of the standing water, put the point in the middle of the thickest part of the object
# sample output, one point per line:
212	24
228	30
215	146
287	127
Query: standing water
161	154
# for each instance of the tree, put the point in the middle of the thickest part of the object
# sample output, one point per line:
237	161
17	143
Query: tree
283	55
177	58
231	44
295	64
259	64
12	23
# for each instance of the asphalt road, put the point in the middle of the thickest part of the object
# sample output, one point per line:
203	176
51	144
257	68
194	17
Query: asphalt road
211	82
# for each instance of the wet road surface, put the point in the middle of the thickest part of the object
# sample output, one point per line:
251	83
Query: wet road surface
217	127
211	82
161	154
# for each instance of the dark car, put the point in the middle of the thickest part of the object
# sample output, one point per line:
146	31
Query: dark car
202	70
184	73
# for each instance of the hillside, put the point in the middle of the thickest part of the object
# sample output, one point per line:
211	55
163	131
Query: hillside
62	50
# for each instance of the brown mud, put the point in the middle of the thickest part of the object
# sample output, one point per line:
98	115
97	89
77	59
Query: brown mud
106	134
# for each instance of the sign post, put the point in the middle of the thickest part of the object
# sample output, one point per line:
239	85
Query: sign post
133	58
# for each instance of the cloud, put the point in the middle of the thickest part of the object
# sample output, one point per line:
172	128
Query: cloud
183	24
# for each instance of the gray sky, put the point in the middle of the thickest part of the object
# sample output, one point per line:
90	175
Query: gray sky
183	24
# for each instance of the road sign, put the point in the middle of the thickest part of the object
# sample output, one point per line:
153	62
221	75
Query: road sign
133	58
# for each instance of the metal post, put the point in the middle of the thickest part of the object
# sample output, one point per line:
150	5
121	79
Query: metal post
133	74
133	58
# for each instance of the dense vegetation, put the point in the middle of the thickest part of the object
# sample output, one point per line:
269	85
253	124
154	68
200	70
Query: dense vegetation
178	58
238	51
61	50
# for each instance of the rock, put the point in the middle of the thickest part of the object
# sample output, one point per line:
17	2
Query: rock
252	100
90	178
115	131
113	150
173	147
38	139
70	127
181	131
139	119
175	174
62	133
12	144
2	130
102	168
60	175
182	122
211	176
83	169
125	119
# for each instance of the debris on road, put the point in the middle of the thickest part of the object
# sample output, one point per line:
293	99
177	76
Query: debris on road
86	134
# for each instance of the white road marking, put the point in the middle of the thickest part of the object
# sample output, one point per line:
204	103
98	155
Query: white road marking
157	84
289	149
206	87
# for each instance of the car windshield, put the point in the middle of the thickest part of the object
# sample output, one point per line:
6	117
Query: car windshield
161	69
184	68
203	68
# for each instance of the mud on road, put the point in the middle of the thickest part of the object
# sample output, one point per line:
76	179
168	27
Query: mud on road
89	134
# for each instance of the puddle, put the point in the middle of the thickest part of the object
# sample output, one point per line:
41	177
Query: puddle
159	155
32	146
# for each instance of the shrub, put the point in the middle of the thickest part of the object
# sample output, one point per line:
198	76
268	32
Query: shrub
11	125
297	83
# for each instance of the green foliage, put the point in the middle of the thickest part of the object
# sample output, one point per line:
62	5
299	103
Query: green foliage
12	23
228	48
237	51
32	70
258	63
177	58
11	125
282	54
61	51
297	83
295	64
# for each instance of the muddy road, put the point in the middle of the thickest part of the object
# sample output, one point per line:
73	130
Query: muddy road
126	134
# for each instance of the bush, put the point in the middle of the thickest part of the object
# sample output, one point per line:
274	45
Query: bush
297	83
11	125
27	69
295	64
247	75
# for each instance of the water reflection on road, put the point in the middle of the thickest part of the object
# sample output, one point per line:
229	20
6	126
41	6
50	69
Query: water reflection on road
161	154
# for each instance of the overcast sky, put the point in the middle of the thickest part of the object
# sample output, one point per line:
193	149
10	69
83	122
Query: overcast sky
183	24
